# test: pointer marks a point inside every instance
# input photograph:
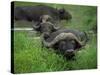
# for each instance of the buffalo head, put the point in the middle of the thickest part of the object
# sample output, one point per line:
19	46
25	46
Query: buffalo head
63	14
66	43
45	24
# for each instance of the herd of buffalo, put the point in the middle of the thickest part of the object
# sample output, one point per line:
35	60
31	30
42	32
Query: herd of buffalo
47	20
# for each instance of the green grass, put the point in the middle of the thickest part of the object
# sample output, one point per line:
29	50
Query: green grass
29	56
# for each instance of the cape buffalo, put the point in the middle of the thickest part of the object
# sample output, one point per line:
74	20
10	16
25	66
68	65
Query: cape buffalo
30	13
67	41
45	25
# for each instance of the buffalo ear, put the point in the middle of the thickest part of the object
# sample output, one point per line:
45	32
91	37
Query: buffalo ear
56	46
37	27
62	11
77	45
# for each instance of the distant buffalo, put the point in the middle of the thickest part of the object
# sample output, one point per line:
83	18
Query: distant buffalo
46	24
66	41
33	13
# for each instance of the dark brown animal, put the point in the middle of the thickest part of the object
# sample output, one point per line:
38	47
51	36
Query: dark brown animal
33	13
67	41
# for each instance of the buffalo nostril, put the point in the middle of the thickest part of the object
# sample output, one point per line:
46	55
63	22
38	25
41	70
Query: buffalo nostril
68	52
